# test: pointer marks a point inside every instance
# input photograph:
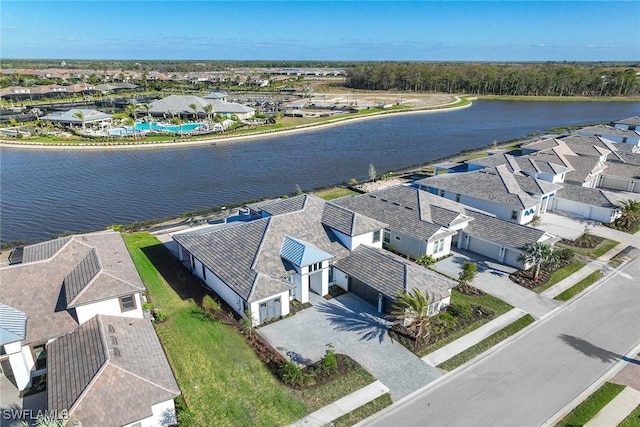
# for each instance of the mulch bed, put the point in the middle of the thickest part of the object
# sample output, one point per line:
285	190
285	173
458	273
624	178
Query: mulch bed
296	306
317	376
525	278
406	338
586	242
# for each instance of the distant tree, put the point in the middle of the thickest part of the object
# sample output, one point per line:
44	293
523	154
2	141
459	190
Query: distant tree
468	273
372	172
194	107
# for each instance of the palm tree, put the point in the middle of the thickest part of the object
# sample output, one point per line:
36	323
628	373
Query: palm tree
538	254
194	107
411	310
208	109
145	108
177	121
80	116
630	212
131	111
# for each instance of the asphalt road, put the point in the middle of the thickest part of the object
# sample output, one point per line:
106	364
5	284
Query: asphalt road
527	381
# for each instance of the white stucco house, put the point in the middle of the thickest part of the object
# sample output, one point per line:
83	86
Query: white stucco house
615	134
589	203
54	288
631	123
289	250
509	196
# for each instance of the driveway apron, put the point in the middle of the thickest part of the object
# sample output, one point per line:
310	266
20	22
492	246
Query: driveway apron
354	328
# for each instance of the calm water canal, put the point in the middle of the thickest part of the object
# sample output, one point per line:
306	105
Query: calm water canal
45	193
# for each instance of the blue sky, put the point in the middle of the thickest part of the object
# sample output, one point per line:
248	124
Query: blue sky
328	30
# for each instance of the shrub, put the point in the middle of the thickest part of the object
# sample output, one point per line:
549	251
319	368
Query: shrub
159	315
329	361
353	182
209	304
425	260
565	255
147	306
291	374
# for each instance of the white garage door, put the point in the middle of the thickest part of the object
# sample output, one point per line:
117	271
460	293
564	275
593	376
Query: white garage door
485	248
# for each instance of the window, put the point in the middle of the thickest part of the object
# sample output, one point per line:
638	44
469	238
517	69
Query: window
204	272
458	198
315	267
40	356
127	303
193	263
376	236
514	215
330	275
396	237
441	193
387	237
438	246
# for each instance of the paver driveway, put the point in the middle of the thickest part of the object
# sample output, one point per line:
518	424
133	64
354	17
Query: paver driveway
357	330
493	278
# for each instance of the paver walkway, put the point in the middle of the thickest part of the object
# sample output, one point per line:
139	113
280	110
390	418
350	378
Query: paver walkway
616	410
356	329
343	406
461	344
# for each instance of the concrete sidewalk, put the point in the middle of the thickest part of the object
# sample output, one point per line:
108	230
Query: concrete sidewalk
343	406
616	410
472	338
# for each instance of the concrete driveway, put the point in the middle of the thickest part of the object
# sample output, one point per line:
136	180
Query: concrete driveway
567	227
355	329
493	278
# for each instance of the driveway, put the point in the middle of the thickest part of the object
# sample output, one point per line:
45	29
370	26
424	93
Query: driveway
493	278
355	329
567	227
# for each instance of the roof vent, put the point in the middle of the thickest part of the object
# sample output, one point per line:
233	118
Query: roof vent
114	340
111	329
116	352
396	203
408	207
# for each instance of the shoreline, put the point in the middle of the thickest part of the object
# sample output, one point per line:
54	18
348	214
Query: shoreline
213	141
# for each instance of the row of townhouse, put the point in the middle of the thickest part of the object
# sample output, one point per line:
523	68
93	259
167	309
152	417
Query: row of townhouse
71	309
581	174
288	248
19	93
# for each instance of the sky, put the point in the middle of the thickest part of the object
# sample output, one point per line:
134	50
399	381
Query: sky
322	30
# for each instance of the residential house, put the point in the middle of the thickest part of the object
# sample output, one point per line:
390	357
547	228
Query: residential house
289	249
112	371
52	289
612	133
632	123
538	168
589	203
230	109
510	196
418	210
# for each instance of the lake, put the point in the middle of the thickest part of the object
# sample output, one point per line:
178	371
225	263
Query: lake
46	193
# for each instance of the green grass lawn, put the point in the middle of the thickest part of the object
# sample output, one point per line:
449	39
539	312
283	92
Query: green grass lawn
222	380
588	409
602	248
490	302
364	411
487	343
334	193
632	420
580	286
561	274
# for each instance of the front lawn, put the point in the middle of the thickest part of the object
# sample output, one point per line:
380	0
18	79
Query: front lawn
603	246
363	412
585	411
632	420
487	343
580	286
560	274
222	380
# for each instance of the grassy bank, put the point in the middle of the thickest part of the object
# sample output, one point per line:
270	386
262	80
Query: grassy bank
588	409
558	98
580	286
487	343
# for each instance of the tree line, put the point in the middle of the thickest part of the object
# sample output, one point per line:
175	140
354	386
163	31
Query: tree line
549	79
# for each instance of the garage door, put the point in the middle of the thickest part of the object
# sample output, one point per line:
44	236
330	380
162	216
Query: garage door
270	309
511	258
368	294
484	248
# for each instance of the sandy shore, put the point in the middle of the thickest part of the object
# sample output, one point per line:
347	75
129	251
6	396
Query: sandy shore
213	141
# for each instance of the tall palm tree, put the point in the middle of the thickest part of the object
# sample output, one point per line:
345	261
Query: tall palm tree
130	111
80	116
208	109
538	254
411	310
145	108
194	107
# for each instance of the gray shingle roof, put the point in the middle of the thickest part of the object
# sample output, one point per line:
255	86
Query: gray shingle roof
622	169
589	196
36	288
505	233
535	186
401	208
349	222
635	121
390	274
13	325
520	163
178	104
605	130
280	206
109	371
43	250
495	184
229	107
70	116
81	275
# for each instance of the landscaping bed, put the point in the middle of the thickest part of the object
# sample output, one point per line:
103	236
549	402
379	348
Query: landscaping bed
334	292
466	312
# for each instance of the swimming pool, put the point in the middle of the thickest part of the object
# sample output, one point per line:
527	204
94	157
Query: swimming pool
156	127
